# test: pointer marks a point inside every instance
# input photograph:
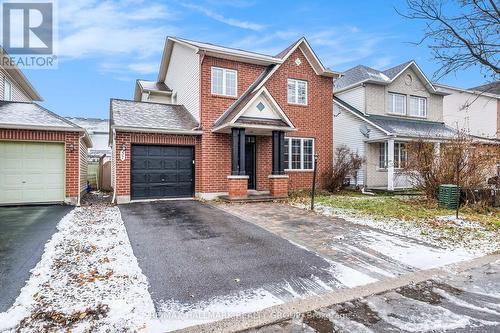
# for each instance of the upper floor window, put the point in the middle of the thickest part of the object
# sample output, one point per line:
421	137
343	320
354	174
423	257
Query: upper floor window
224	81
396	104
299	153
7	90
297	92
418	106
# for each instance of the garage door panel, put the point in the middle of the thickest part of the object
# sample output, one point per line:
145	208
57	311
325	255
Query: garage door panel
139	151
167	175
155	164
139	163
31	172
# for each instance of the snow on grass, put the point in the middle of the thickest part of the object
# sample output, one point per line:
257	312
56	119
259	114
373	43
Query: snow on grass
459	235
87	280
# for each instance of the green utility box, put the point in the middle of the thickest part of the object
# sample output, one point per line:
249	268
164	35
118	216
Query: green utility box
448	196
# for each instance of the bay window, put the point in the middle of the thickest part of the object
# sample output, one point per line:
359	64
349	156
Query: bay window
224	81
299	154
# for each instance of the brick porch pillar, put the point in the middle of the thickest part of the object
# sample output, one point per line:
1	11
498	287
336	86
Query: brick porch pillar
278	185
237	187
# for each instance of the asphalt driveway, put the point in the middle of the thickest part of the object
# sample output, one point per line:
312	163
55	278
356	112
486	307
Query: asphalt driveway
193	253
24	231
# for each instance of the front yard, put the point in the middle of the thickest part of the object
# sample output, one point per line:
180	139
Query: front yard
478	228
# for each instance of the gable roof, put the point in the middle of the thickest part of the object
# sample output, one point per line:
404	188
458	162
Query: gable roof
403	127
484	90
241	55
18	76
151	117
363	74
31	116
92	125
492	88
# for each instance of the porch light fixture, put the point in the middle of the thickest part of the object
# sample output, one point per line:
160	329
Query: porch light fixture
71	147
123	147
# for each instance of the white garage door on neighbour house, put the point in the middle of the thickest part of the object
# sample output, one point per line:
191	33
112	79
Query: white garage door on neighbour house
31	172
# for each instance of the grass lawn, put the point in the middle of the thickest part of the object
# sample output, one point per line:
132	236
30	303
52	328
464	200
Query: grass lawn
400	207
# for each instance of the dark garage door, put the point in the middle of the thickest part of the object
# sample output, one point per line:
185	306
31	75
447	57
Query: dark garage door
162	172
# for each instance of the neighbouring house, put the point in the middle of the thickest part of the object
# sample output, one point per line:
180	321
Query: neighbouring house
377	112
221	121
43	157
99	160
475	110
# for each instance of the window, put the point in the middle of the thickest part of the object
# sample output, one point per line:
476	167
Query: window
299	153
400	155
396	104
224	81
418	106
297	91
7	90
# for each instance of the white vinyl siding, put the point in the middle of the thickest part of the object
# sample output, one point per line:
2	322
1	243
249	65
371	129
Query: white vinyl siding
418	106
183	77
354	97
17	94
299	153
7	90
31	172
396	104
224	81
297	91
83	166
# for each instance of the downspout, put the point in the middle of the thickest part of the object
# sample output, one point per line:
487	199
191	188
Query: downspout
79	170
114	163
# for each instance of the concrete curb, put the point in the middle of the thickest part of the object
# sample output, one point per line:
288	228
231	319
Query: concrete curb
288	310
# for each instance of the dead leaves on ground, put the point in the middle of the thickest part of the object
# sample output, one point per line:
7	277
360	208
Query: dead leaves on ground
93	276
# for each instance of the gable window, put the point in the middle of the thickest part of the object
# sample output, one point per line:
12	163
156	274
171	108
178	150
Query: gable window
297	91
396	104
418	106
224	81
7	90
299	153
400	155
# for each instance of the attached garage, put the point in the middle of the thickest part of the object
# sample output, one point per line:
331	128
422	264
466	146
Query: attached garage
155	151
31	172
159	171
43	157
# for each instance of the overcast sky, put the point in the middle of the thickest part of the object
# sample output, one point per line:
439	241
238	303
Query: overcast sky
104	46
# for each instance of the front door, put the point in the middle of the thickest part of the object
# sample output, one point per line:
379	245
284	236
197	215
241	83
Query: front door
250	150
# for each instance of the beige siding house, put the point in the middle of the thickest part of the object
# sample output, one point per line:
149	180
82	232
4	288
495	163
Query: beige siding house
377	112
475	110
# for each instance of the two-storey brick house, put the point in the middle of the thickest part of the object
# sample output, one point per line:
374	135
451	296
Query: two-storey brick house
223	121
377	112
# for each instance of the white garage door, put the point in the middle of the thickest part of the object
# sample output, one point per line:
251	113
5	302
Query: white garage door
31	172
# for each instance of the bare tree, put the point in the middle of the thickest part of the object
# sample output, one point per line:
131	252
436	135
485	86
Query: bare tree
347	163
461	34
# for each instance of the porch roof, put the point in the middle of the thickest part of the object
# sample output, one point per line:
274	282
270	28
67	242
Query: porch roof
403	127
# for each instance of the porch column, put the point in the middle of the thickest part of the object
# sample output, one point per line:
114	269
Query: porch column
242	152
390	165
278	153
235	137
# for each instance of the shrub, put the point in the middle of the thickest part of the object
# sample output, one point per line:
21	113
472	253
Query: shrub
346	164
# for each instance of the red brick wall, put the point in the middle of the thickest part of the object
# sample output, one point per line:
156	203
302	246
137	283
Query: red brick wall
237	188
129	138
313	121
53	136
216	148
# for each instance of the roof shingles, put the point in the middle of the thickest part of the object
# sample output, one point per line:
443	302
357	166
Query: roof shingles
26	114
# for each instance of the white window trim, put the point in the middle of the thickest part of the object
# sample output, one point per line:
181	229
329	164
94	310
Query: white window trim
386	149
425	106
10	92
393	102
296	84
289	140
224	71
